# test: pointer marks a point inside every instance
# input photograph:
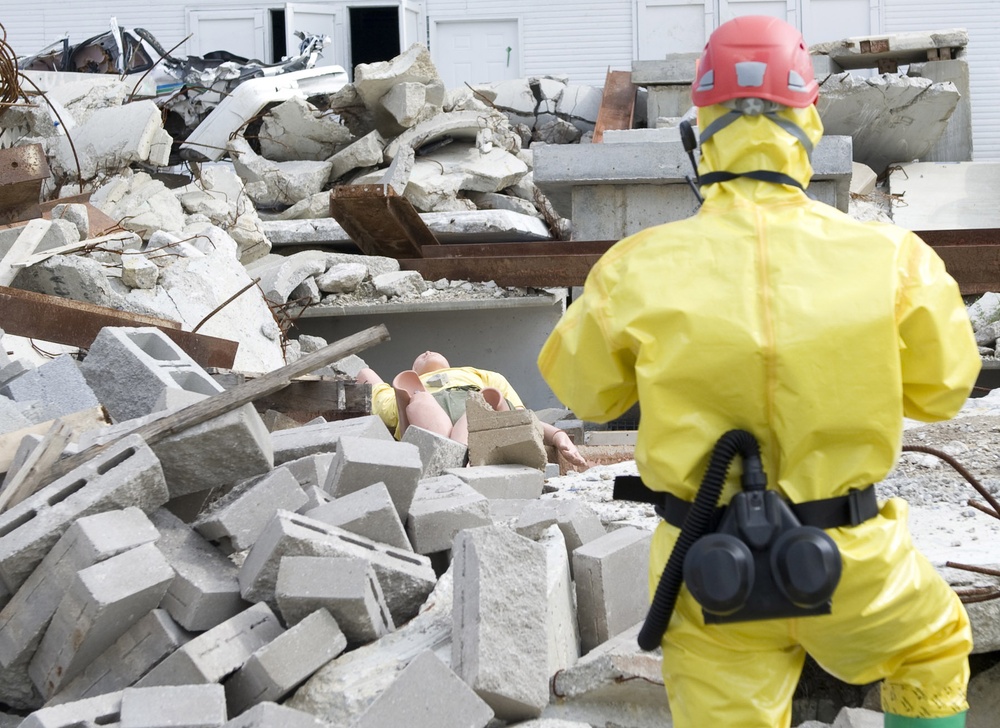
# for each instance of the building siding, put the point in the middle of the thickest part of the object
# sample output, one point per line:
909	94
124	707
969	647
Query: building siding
981	18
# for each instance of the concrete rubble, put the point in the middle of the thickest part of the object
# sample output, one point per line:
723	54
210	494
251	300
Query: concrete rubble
322	574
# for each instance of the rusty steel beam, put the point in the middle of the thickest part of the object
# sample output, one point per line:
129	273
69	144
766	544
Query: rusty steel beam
976	268
75	323
379	221
510	250
976	236
538	271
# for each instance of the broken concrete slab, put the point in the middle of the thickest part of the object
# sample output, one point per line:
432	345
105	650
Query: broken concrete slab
942	196
891	118
899	48
295	129
274	184
374	80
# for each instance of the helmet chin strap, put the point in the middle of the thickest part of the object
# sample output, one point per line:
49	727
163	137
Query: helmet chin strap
739	108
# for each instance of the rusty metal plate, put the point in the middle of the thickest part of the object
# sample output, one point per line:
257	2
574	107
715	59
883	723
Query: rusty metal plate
617	104
22	172
538	271
379	221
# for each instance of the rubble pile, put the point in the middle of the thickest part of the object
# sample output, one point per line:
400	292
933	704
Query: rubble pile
313	574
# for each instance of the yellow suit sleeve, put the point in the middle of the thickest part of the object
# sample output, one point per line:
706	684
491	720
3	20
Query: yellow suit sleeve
939	357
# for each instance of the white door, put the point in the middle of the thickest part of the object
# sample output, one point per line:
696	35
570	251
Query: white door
241	31
787	10
410	23
476	51
311	18
673	26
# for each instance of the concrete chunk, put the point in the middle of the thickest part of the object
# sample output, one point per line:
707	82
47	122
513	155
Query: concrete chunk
307	440
368	512
499	643
499	438
103	710
437	452
406	578
496	482
442	507
187	706
101	604
360	462
563	629
236	520
578	522
219	652
205	590
611	575
126	474
268	715
345	587
280	666
58	386
407	701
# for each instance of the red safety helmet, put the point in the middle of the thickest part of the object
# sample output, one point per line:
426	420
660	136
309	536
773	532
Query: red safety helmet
756	56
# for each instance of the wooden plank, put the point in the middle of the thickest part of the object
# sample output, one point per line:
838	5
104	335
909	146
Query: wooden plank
23	247
76	323
78	421
32	473
231	399
379	221
617	104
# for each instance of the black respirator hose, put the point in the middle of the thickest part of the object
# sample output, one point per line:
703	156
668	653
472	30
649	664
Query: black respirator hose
697	524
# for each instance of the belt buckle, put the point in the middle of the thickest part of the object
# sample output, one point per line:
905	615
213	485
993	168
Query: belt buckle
854	507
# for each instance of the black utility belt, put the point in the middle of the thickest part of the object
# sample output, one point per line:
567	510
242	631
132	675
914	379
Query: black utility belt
846	510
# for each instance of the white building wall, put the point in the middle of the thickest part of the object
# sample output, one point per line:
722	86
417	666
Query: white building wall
981	18
580	39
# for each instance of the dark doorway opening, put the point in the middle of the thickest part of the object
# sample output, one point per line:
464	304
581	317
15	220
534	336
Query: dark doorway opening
278	45
374	35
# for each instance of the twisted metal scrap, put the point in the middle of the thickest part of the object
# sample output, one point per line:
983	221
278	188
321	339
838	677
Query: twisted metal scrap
10	87
971	594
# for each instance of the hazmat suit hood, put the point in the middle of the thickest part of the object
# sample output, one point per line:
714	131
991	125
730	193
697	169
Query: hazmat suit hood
753	143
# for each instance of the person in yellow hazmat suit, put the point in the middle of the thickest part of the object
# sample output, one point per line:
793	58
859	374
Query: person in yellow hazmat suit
773	314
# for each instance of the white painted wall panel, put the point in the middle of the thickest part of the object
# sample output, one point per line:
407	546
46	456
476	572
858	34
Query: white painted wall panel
981	18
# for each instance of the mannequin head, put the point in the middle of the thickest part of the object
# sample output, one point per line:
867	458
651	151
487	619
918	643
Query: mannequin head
430	361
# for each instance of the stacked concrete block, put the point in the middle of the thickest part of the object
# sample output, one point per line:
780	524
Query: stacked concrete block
368	512
323	437
277	668
496	438
269	715
219	652
147	643
578	522
128	368
101	604
26	616
126	474
415	699
498	482
437	452
406	578
612	584
103	710
166	706
347	588
58	386
315	497
361	461
564	632
234	521
442	507
205	591
499	637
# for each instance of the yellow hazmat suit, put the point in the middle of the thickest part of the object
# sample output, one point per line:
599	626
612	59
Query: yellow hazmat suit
384	397
776	314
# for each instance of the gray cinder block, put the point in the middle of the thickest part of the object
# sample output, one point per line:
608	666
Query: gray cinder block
235	520
503	481
58	385
102	710
101	604
360	462
612	587
126	474
277	668
563	628
269	715
442	507
499	643
406	578
345	587
437	452
129	367
310	470
135	653
205	591
368	512
407	700
323	437
220	651
167	706
579	522
86	542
